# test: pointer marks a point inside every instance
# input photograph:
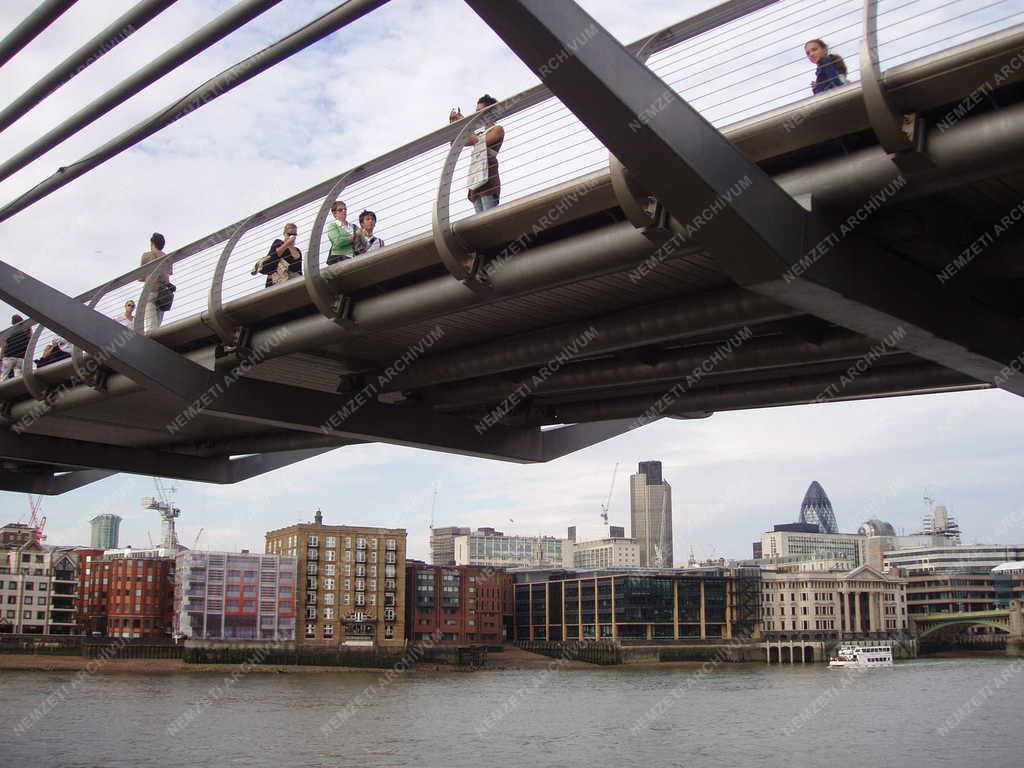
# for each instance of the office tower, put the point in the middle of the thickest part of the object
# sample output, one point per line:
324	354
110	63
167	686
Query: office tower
651	515
816	509
104	531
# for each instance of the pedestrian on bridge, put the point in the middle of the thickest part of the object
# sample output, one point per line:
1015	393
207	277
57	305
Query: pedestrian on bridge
341	233
284	259
484	182
831	72
14	350
161	285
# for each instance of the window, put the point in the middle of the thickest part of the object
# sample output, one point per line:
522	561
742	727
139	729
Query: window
373	599
26	614
312	554
311	612
330	554
328	614
348	555
389	557
389	631
360	543
389	614
348	570
314	541
348	584
328	630
373	571
348	542
360	570
311	569
329	585
348	598
332	542
29	586
389	571
311	630
12	585
28	599
390	544
360	585
360	556
360	598
329	569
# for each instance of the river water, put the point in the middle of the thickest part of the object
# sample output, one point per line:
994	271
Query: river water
919	713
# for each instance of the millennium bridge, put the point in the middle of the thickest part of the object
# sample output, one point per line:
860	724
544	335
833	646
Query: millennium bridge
677	235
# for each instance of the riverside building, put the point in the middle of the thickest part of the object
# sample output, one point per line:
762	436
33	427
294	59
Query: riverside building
38	589
951	579
351	588
128	592
828	605
234	596
637	605
455	604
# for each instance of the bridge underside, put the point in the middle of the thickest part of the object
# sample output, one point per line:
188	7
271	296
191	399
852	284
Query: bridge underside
598	320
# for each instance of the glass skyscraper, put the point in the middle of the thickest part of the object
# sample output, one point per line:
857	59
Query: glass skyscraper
651	515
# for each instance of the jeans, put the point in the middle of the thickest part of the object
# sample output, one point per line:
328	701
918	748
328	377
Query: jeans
11	367
485	202
154	317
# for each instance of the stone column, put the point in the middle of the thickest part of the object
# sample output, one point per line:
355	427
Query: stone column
857	622
838	619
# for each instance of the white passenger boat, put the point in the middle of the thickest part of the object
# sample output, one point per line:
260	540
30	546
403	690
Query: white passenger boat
862	655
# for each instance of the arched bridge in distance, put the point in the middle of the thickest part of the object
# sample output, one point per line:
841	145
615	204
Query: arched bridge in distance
676	236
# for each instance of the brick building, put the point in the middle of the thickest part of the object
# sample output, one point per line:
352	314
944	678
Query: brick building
458	604
128	593
351	588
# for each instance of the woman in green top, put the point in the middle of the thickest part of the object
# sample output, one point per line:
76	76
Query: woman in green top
341	234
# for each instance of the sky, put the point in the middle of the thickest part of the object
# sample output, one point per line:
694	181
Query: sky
376	85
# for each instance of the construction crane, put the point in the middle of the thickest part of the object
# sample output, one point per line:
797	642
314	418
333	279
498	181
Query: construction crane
195	541
37	521
168	512
608	501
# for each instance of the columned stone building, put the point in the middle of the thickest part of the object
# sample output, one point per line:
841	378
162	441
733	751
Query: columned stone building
827	605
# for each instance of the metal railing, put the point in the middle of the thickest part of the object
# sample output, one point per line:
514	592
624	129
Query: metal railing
708	60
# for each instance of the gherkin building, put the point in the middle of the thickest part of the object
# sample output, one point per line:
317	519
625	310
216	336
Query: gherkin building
816	509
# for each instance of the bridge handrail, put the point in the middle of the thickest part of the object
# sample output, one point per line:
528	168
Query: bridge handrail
416	150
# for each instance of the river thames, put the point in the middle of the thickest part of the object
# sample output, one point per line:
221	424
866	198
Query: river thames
926	712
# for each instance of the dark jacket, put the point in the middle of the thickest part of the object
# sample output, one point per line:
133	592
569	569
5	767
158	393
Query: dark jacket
829	76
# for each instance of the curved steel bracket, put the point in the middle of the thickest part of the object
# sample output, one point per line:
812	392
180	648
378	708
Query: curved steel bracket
901	136
28	370
461	263
641	209
332	304
229	332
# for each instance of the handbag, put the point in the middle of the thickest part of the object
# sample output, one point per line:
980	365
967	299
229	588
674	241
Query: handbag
164	296
478	176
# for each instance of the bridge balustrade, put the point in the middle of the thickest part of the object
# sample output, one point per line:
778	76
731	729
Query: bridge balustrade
730	73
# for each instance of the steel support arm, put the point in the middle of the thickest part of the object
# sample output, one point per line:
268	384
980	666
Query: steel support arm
87	54
231	395
48	483
93	461
23	34
760	236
